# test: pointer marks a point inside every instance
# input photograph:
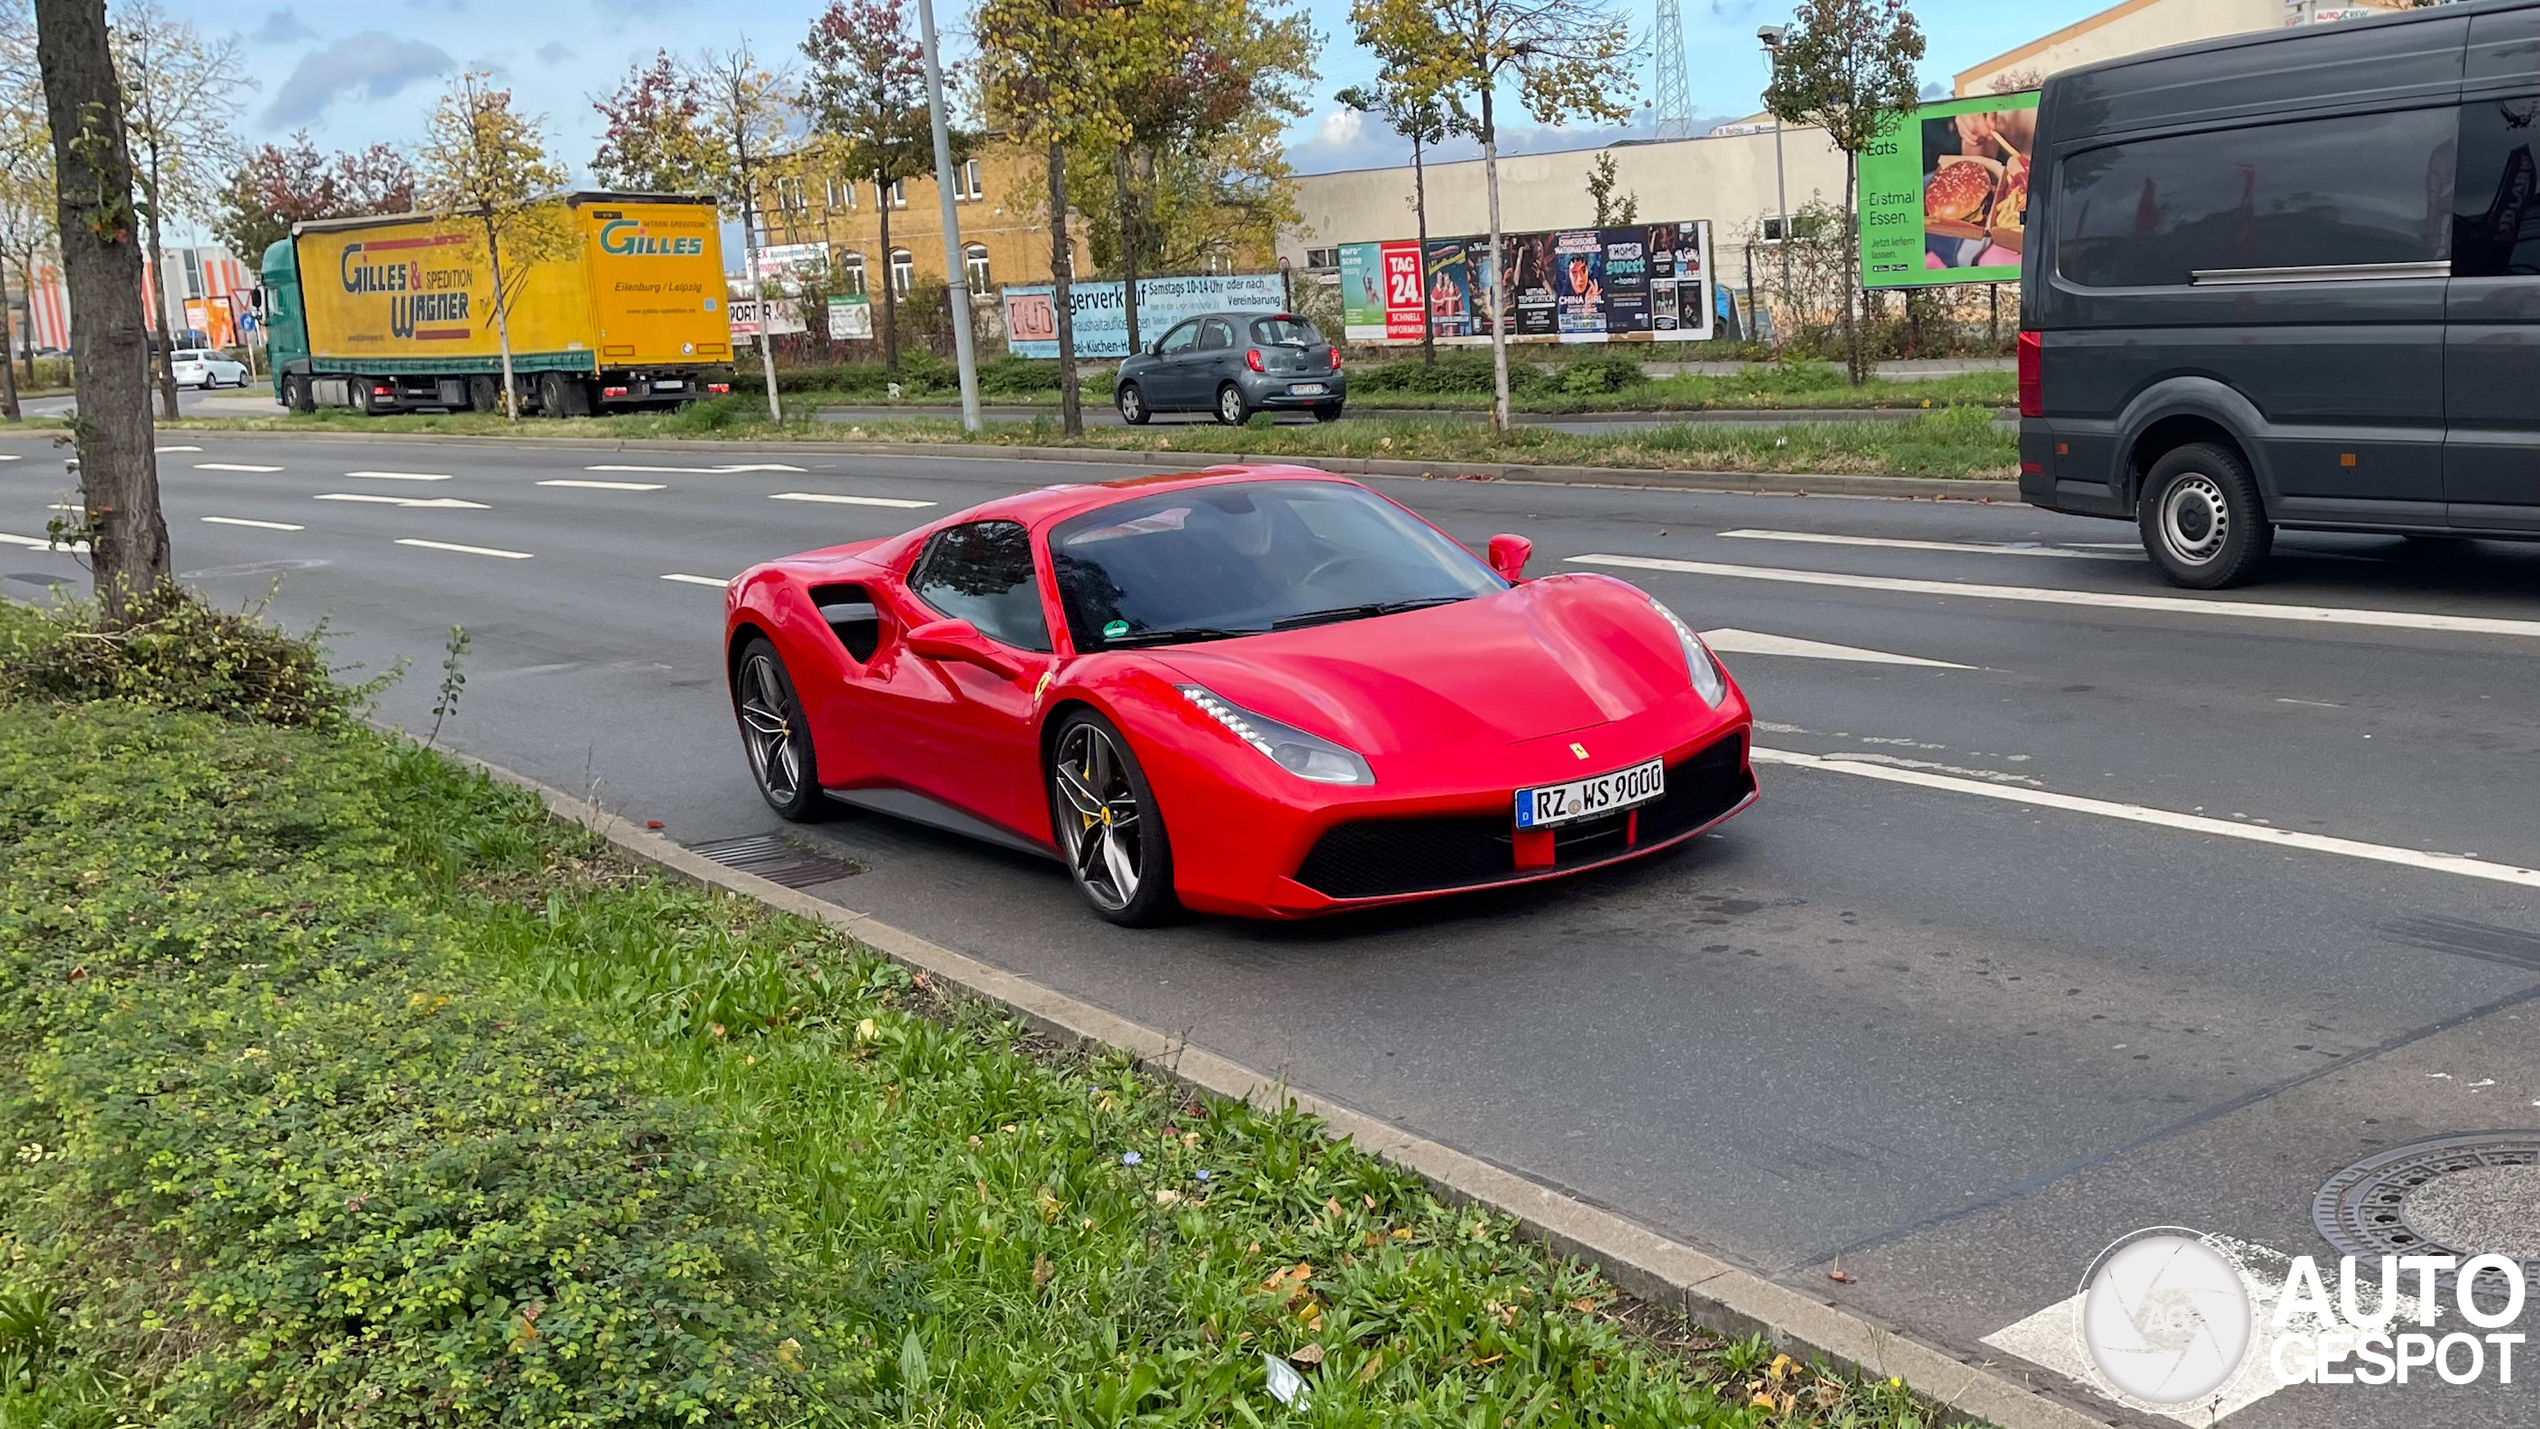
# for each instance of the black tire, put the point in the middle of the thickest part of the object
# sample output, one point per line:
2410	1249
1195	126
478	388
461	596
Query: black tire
484	394
1132	404
2201	518
775	736
1093	780
1328	412
295	394
1232	409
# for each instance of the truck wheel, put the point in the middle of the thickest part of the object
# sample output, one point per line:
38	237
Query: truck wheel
2203	523
484	394
295	394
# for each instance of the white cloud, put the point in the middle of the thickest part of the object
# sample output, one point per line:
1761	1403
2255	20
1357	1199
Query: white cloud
1341	126
369	66
281	27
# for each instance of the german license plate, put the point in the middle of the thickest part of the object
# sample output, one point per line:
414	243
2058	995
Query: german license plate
672	385
1541	808
1306	389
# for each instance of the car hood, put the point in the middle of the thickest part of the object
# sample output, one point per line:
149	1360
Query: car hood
1547	657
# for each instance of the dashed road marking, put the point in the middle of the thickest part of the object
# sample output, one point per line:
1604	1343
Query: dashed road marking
2094	599
1901	543
2452	863
13	456
606	485
179	449
898	502
704	470
1752	642
431	503
400	475
718	582
465	550
259	525
41	543
231	466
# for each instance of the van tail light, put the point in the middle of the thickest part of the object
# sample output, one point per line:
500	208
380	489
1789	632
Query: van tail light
1252	359
1336	359
2032	381
719	388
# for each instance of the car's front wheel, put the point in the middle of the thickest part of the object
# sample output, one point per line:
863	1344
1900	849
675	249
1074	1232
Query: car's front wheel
1107	824
2203	523
1232	409
1328	412
1132	404
775	734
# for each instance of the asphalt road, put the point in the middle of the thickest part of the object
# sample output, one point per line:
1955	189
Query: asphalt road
1102	414
1957	1043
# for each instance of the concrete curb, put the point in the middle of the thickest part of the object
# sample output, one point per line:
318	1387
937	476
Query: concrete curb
1709	1291
1736	482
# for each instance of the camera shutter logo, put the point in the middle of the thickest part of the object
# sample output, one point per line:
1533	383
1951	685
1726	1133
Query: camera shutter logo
2165	1317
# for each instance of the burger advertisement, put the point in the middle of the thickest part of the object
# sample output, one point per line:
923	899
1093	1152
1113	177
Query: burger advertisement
1944	193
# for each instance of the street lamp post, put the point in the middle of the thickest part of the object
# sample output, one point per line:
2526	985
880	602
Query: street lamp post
1771	35
956	271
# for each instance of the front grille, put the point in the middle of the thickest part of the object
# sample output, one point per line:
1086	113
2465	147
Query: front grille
1376	858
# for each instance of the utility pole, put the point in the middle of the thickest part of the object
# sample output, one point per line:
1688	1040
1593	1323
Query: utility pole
1771	35
956	272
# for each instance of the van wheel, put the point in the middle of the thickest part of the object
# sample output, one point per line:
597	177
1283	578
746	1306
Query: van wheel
2202	522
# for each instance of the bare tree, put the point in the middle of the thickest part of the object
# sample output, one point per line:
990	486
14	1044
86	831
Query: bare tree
101	261
746	110
181	107
485	164
26	182
1425	120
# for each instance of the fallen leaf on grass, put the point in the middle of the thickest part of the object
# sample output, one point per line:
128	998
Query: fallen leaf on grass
1310	1355
1042	1270
1368	1370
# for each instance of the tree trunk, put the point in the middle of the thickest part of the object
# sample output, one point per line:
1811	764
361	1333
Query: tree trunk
758	285
1420	211
1128	243
1499	411
1071	399
1853	365
890	286
157	273
503	324
101	265
9	369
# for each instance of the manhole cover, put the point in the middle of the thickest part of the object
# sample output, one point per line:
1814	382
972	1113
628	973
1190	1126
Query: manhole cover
772	857
2477	1193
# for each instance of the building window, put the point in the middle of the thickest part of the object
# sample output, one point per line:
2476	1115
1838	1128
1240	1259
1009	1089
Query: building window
974	261
841	195
1322	258
896	195
970	186
789	194
903	271
851	273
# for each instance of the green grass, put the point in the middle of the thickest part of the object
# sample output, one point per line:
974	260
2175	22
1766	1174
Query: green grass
349	1089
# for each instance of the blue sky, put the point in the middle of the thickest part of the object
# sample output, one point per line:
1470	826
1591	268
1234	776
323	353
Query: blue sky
354	75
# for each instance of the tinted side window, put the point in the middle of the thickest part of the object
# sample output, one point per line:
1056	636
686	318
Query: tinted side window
1181	338
982	573
2495	218
2367	188
1216	333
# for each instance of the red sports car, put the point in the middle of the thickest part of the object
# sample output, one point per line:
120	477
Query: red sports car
1264	691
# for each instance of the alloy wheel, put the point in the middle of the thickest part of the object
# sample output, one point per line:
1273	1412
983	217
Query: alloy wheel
767	730
1102	833
2195	518
1230	406
1132	406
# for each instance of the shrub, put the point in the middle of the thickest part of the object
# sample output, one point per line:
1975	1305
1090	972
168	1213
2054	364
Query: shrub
1604	372
173	650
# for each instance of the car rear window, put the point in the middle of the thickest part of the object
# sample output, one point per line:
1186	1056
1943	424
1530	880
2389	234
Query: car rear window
1286	332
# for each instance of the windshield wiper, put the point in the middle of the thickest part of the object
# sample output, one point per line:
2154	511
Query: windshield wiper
1174	635
1362	612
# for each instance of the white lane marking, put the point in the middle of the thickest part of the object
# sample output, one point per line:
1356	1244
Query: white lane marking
1901	543
704	470
2097	600
2052	1336
2460	864
400	475
173	449
259	525
13	456
1753	642
434	503
64	506
718	582
894	501
42	544
231	466
465	550
606	485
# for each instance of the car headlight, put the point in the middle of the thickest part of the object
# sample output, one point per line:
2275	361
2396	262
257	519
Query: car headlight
1707	680
1307	756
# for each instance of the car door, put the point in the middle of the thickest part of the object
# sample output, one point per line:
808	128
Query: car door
964	733
1169	380
1212	363
2491	349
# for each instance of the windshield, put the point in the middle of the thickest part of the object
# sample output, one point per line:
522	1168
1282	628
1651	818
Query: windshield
1286	332
1240	560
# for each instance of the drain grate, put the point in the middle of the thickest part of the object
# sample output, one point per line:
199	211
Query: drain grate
2459	1194
778	860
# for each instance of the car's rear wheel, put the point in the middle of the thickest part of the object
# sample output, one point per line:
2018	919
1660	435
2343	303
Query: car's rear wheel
1107	824
1328	412
1132	404
775	735
1232	409
2203	523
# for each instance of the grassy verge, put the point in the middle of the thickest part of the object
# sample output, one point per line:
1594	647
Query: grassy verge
349	1089
1959	442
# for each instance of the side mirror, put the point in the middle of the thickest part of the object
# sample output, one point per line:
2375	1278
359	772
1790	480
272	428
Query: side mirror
1508	556
1156	348
957	641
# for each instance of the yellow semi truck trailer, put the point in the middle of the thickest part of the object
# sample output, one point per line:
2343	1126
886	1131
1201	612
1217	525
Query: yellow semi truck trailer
396	313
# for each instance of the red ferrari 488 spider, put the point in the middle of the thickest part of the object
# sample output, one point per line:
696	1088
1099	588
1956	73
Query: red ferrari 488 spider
1264	691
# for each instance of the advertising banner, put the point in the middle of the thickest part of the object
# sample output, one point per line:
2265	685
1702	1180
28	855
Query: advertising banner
1648	282
782	319
1944	193
850	317
1403	291
1363	292
1102	317
212	318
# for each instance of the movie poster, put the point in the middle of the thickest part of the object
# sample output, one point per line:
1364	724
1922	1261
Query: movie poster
1626	280
1578	283
1530	264
1455	288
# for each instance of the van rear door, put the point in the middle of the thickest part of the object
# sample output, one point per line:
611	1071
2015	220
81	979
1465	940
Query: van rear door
2491	350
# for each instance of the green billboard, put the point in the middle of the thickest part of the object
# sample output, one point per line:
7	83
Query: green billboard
1944	193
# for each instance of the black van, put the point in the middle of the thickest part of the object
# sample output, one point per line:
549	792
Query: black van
2290	279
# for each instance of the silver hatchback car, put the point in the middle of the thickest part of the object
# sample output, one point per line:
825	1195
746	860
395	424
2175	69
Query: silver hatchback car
1233	365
